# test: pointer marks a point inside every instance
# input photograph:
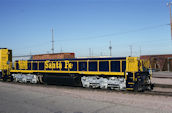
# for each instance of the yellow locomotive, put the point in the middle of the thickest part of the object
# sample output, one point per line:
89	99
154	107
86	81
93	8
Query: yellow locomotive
121	73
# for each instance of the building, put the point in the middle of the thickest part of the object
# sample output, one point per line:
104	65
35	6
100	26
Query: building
159	62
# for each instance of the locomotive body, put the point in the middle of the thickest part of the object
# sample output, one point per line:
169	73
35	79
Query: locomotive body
121	73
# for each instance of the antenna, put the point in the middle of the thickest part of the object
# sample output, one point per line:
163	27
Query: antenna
110	48
169	5
52	41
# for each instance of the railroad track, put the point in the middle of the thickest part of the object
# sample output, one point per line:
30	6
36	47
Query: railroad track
163	85
159	93
165	77
153	93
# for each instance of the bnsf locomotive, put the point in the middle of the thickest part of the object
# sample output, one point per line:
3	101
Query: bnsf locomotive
121	73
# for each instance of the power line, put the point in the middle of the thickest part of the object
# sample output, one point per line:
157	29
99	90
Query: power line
119	33
103	36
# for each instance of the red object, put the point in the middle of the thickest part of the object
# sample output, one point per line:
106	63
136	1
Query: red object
53	56
159	61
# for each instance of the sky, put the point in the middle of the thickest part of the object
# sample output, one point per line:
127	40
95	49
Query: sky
83	25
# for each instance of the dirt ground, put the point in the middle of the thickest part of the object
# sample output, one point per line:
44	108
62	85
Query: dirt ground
18	98
162	74
162	78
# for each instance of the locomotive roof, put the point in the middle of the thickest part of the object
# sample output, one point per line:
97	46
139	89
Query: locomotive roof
108	58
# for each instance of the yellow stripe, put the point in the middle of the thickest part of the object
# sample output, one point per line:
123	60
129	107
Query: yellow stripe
121	66
133	76
126	75
130	82
109	65
129	88
79	72
98	65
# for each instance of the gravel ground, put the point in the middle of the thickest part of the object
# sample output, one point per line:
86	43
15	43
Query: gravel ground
18	98
166	81
165	74
162	78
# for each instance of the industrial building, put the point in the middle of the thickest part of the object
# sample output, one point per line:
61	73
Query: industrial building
159	62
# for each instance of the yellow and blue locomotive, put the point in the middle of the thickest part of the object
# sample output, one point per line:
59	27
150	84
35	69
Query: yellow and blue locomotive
121	73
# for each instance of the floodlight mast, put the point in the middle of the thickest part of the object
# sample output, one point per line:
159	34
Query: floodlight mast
110	48
169	5
52	41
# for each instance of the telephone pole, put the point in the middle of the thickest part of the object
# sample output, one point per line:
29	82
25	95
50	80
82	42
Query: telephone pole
89	52
52	41
169	5
140	51
110	48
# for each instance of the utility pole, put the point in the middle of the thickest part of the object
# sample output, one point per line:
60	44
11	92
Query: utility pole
101	54
169	5
61	50
92	53
131	47
52	41
110	48
30	52
140	51
89	52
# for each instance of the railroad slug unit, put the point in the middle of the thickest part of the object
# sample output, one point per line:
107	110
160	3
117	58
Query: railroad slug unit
121	73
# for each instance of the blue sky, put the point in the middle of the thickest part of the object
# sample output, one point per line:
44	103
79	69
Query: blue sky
25	26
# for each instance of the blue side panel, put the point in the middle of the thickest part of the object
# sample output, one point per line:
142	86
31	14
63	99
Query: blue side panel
74	68
104	66
34	66
0	75
29	66
17	65
41	66
82	66
63	67
123	66
115	66
92	66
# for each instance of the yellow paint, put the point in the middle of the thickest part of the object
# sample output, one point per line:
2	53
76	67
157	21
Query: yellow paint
109	66
79	72
120	66
22	64
87	65
130	82
4	59
129	88
133	76
132	64
57	65
98	65
68	65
